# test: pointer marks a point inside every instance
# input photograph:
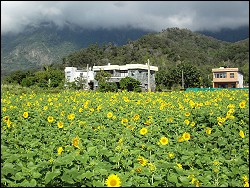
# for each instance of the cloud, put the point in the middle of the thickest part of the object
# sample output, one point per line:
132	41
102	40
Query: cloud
149	15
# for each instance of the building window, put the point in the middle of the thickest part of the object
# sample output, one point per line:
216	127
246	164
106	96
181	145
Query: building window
132	73
68	77
220	75
68	72
231	75
81	74
124	73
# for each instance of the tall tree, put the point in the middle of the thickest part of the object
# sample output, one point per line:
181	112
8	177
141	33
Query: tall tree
186	71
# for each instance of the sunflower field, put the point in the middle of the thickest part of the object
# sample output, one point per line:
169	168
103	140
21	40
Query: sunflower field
167	139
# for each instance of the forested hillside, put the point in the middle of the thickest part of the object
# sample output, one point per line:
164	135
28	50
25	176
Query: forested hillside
175	51
166	50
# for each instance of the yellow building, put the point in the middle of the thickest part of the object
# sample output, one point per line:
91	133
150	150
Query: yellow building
227	78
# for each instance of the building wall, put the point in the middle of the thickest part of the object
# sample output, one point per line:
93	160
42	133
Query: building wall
240	78
71	73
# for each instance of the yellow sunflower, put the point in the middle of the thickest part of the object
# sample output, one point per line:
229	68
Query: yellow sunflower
164	140
242	104
192	124
113	181
124	120
246	184
71	116
6	118
143	131
99	108
138	169
151	166
136	117
59	150
187	114
242	135
187	122
60	124
170	119
208	130
245	178
186	136
75	142
216	163
180	139
220	123
142	160
25	114
50	119
179	165
109	115
171	155
9	123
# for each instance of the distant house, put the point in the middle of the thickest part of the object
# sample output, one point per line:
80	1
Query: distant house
136	71
227	78
71	74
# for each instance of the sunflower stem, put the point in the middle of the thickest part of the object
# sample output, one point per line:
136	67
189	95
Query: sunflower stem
152	179
150	156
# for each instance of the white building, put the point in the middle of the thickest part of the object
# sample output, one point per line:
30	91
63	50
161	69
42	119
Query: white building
136	71
71	74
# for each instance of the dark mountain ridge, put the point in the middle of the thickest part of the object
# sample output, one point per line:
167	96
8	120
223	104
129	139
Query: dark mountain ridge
229	35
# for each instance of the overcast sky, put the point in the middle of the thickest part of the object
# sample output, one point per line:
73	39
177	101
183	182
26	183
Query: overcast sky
151	15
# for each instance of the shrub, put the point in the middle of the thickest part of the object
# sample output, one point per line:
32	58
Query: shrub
108	86
130	84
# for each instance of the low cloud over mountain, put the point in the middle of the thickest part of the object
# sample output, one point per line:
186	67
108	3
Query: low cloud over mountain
147	15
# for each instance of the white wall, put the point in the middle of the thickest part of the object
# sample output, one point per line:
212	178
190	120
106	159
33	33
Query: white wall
71	73
240	79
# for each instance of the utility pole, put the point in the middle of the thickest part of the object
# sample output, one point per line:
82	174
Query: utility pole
87	86
149	88
182	79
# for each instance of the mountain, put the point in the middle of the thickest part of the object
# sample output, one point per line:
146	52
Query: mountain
45	44
229	35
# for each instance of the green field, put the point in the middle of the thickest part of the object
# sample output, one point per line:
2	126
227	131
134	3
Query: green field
76	138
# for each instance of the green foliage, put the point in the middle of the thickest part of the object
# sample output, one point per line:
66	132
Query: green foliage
80	83
56	77
50	77
16	77
107	87
172	78
191	75
102	76
130	84
27	82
